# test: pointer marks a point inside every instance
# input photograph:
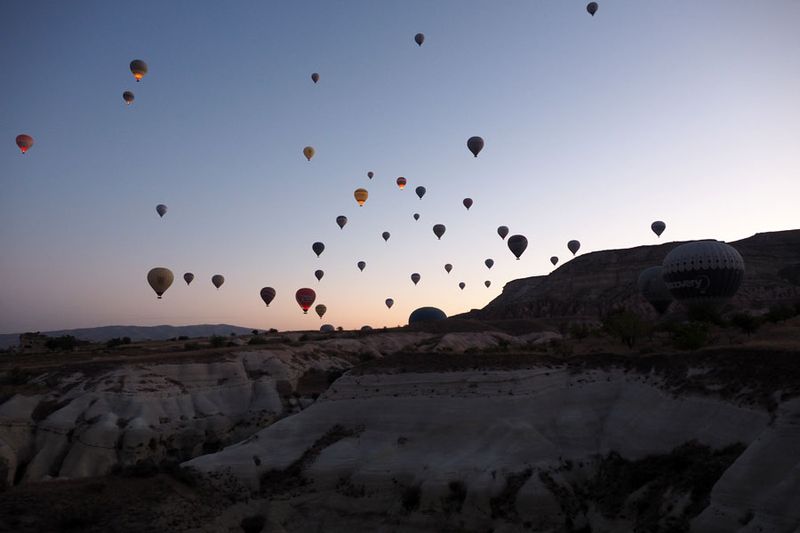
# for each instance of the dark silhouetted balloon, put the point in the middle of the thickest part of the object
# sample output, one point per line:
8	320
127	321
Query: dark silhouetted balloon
416	216
318	274
502	231
188	278
591	7
574	246
361	265
24	142
487	283
138	69
658	227
320	309
267	294
706	271
389	303
439	230
386	235
315	77
467	203
651	285
475	145
419	39
161	209
415	278
517	245
318	248
305	298
461	285
370	174
420	191
361	196
327	328
128	97
309	152
426	314
160	278
554	260
448	267
366	328
341	220
489	263
217	280
401	182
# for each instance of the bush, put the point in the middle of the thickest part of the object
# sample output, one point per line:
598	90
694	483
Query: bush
626	325
190	346
217	341
257	340
780	313
65	343
116	341
706	313
183	338
745	322
690	336
254	332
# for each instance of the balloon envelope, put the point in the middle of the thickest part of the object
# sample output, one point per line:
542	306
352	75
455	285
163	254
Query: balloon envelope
651	285
161	209
487	283
574	246
341	220
517	245
426	314
419	39
128	97
361	265
24	142
489	263
361	196
160	278
439	230
467	203
318	248
138	69
401	182
327	328
386	235
475	145
591	7
188	277
309	152
420	191
416	216
389	303
415	278
461	285
315	77
267	294
554	260
370	174
318	274
502	231
448	267
218	280
320	309
305	298
706	271
658	227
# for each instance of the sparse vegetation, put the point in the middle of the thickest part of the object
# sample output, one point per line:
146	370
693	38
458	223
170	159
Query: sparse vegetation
745	322
625	325
257	339
64	343
117	341
780	313
217	341
690	335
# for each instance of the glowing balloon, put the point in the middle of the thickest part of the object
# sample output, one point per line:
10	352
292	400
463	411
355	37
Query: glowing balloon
309	152
138	69
318	274
318	248
128	97
448	267
517	245
320	309
267	294
361	196
574	246
305	298
401	182
188	277
439	230
341	220
161	209
361	265
24	142
160	279
415	278
475	145
658	227
218	280
467	203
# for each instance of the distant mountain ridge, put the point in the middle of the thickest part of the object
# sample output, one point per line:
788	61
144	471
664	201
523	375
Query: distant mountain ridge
136	333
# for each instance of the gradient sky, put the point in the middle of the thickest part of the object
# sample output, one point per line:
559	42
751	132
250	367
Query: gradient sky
683	111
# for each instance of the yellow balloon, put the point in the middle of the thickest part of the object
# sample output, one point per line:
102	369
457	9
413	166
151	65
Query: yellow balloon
309	152
160	279
361	196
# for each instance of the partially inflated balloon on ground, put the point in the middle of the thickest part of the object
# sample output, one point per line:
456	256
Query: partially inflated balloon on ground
160	278
218	280
267	294
305	298
327	328
517	244
702	272
426	314
651	285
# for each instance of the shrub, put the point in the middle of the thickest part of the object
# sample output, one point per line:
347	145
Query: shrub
257	340
254	332
65	343
780	313
116	341
183	338
217	341
690	336
745	322
626	325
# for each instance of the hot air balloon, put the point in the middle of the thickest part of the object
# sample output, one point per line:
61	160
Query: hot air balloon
160	279
420	191
487	283
361	196
419	39
218	280
138	69
24	142
318	274
415	278
651	285
315	77
703	272
386	235
448	267
401	182
554	260
489	263
267	294
439	230
426	314
389	303
327	328
658	227
320	309
341	220
161	209
318	248
461	285
361	265
502	231
475	145
416	216
188	277
467	203
309	152
305	298
370	174
517	245
128	97
591	7
574	246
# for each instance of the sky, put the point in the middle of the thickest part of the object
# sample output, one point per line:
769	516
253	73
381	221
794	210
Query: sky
680	111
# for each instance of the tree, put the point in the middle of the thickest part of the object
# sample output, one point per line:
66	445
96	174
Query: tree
626	325
746	322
